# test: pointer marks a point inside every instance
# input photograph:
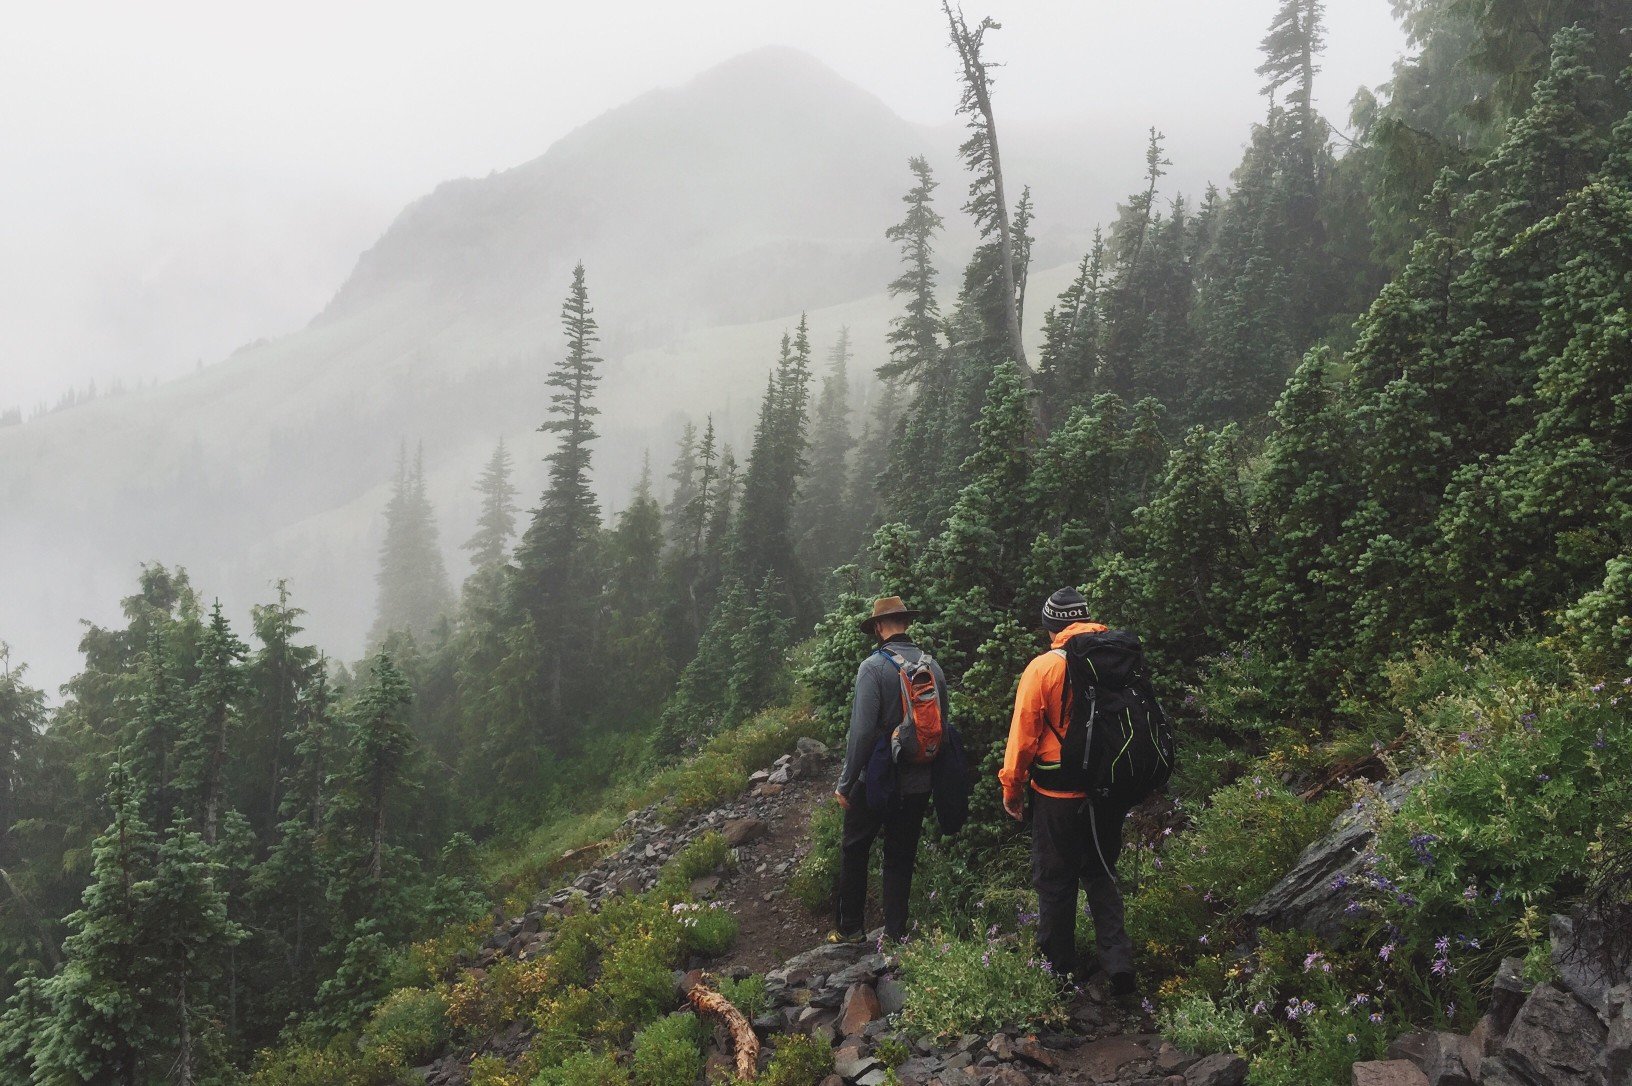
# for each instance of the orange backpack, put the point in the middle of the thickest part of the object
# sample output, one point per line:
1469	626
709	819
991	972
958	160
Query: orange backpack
919	735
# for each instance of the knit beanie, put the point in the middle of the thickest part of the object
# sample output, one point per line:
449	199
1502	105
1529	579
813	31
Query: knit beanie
1063	608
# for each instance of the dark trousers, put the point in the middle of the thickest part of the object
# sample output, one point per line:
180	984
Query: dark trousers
902	822
1062	857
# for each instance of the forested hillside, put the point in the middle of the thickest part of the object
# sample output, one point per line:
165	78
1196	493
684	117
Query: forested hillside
1347	439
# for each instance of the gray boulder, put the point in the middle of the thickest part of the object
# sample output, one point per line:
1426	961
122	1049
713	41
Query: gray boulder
1314	895
1577	954
1555	1041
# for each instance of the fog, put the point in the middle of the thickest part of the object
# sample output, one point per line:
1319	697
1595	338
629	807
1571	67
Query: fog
178	180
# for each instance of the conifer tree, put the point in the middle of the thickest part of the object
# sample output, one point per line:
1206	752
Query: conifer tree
824	524
154	734
988	205
914	335
373	775
762	536
874	455
1072	334
213	718
100	1025
684	485
413	581
1301	496
189	939
288	890
22	720
1296	39
559	582
277	678
496	525
569	513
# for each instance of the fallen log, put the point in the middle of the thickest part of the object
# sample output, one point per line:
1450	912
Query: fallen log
707	1001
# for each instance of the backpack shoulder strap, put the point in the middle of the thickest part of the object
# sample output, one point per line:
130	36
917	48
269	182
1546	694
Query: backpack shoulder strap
895	658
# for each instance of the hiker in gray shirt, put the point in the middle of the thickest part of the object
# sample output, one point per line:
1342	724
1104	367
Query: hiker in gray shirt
875	713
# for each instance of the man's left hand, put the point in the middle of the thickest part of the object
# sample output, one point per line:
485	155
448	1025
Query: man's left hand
1015	808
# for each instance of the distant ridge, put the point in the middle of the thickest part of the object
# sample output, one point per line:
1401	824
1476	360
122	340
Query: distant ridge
709	215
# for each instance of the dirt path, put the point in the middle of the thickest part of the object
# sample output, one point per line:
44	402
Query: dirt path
774	924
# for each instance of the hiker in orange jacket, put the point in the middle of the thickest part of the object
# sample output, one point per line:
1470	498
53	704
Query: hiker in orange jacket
1063	822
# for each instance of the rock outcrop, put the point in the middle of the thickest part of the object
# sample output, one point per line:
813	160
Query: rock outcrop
1574	1032
1315	895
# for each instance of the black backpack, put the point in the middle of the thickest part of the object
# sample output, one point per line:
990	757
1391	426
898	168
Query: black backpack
1118	745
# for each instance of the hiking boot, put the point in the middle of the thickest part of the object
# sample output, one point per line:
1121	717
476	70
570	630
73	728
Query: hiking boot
839	938
1124	989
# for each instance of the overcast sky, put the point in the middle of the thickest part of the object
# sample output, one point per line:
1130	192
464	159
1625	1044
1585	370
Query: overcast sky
178	178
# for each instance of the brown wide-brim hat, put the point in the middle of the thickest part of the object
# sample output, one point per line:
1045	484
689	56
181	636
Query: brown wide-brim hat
887	607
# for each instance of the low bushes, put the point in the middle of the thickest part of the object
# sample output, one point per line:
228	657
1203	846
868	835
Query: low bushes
799	1061
669	1052
409	1026
960	985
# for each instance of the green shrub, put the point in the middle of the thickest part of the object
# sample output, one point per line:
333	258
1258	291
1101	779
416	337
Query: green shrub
1318	1049
669	1052
708	929
492	1071
1236	848
337	1064
1246	838
1527	781
584	1069
706	853
409	1026
748	995
892	1052
816	877
955	985
1197	1024
720	770
799	1061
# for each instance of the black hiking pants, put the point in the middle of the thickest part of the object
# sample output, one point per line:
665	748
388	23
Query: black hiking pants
902	823
1062	857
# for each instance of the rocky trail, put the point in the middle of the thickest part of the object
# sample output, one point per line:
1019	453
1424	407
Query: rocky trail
1546	1035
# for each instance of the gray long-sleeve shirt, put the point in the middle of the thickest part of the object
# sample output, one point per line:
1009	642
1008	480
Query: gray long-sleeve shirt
875	712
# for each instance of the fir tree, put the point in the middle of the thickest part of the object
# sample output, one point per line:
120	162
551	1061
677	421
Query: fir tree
824	524
559	581
496	525
215	715
988	205
1073	329
413	581
277	678
22	720
684	487
101	1025
189	940
914	335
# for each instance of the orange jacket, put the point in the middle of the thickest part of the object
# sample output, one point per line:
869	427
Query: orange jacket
1038	710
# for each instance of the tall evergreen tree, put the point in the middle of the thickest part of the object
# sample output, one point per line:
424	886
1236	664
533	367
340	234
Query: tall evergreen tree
683	486
988	205
825	538
213	718
496	525
413	581
100	1025
558	582
914	335
1073	329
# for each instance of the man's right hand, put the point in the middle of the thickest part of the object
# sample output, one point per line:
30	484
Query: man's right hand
1015	808
843	802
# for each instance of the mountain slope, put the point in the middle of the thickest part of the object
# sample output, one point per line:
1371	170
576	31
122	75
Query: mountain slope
708	217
